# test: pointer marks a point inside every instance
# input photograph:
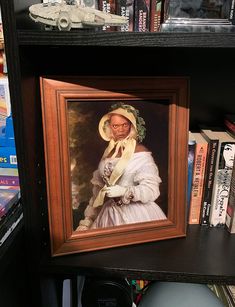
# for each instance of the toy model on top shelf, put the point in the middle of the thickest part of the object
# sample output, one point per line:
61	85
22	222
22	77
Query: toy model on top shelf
66	16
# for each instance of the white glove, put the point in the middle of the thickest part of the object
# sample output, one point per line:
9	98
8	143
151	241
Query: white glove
115	191
80	228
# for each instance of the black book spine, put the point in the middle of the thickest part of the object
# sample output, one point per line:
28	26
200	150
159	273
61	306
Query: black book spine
142	16
209	180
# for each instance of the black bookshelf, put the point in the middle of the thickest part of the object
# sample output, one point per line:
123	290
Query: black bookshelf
13	270
199	257
206	255
127	39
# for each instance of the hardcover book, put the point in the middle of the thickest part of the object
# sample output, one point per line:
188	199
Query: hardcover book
213	142
142	15
222	181
9	171
108	6
9	223
7	199
5	104
232	12
230	214
229	122
155	15
198	178
9	181
191	155
126	8
8	157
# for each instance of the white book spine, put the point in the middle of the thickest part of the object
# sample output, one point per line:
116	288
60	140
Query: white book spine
222	184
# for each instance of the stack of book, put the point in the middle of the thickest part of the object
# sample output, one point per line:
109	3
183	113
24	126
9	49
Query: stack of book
165	15
10	212
212	186
226	294
7	145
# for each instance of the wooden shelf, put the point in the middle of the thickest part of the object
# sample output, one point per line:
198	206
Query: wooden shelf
204	256
126	39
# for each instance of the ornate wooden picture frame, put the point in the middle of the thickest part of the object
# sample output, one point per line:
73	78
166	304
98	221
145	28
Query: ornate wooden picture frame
147	201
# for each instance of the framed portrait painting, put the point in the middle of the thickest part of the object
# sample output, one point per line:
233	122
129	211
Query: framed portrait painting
116	160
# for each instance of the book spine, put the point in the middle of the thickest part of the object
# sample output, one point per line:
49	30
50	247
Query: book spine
155	15
191	155
142	15
5	103
108	6
126	8
209	180
5	208
10	229
221	188
7	200
230	214
8	157
230	126
232	12
166	10
198	183
9	181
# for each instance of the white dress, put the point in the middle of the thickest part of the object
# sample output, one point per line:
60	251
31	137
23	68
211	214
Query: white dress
141	177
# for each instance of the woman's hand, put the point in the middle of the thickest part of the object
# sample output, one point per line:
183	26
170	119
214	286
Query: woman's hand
115	191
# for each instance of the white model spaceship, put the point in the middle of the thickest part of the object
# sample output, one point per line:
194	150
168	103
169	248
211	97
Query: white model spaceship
66	16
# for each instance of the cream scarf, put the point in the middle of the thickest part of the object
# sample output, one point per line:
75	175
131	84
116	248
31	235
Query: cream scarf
127	147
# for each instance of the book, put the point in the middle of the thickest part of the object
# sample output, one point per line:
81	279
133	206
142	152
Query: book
231	292
1	61
222	180
141	15
197	11
7	137
8	198
229	122
221	291
5	103
166	9
155	15
8	157
201	148
187	25
126	8
7	145
9	171
232	12
108	6
191	155
213	143
10	222
9	180
230	213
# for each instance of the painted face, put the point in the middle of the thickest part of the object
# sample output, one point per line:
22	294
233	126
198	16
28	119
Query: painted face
228	153
120	127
